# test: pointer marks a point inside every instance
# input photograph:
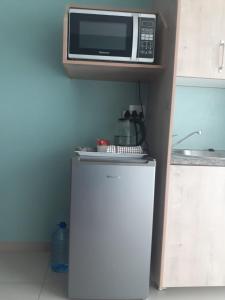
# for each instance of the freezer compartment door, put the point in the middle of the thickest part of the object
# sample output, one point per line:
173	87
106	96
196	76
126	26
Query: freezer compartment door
110	231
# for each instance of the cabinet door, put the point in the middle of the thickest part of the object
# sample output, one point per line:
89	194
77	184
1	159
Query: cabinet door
201	36
195	233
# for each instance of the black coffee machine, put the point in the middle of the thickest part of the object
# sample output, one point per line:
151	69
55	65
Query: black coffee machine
130	130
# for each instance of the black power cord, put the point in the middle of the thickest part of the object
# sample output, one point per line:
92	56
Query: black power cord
140	98
146	146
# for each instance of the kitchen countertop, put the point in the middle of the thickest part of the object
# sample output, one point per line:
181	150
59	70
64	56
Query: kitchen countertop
196	161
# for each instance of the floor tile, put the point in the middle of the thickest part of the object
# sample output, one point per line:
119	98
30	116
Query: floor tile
206	293
56	277
56	290
27	276
19	291
23	267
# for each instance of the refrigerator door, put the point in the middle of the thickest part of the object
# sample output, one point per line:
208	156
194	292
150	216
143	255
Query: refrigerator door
110	230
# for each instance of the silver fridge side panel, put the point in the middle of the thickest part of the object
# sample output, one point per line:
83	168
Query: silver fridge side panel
110	231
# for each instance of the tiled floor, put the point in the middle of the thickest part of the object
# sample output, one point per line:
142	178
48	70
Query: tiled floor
26	276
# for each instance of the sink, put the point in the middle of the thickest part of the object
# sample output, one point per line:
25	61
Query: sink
200	153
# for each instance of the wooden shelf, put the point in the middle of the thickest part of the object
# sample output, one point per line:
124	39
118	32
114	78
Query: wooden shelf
98	70
116	71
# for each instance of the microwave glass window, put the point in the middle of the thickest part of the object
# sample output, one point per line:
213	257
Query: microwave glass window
102	35
92	34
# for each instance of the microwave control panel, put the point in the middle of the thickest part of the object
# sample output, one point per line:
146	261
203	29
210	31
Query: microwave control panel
146	43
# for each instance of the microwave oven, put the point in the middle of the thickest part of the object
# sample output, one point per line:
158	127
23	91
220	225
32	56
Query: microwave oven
111	36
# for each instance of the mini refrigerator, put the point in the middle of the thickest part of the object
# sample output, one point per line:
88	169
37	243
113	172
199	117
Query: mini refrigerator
111	226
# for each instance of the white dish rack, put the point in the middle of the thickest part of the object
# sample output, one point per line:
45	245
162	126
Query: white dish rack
111	155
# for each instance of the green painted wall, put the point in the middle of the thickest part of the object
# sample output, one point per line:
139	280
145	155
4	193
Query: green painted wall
200	108
44	115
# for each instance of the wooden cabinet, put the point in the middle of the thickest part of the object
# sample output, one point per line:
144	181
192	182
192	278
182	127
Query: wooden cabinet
201	48
195	230
115	71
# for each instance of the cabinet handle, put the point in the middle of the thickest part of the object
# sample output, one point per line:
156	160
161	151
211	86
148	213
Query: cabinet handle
221	57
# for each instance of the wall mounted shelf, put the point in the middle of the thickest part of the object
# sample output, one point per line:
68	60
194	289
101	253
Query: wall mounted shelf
115	71
111	71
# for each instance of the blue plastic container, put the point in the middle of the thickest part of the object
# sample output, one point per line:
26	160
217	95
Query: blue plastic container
60	238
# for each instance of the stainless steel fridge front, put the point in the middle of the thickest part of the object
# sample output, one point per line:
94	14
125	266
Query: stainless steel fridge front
111	228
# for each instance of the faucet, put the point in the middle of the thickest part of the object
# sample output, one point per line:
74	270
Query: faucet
199	132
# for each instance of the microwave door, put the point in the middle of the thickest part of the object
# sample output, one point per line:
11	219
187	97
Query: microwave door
100	37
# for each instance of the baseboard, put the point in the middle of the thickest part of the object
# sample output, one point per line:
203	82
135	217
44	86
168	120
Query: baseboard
25	246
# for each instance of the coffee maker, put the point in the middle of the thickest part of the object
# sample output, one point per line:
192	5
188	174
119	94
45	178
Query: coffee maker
130	129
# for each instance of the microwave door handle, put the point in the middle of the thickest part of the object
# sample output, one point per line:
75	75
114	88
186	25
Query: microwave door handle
135	37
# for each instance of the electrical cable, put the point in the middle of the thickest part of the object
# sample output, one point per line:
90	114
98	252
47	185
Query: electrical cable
139	96
140	101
